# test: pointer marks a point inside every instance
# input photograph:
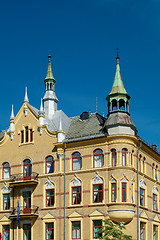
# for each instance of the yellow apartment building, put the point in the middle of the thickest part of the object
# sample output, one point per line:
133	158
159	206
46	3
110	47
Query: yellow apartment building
60	176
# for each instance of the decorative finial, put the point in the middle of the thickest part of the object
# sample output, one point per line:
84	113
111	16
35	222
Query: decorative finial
41	108
12	114
49	58
117	56
26	96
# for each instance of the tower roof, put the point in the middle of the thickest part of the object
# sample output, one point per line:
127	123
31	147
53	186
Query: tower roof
49	77
118	86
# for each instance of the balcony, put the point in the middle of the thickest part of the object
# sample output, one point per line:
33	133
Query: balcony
24	212
21	179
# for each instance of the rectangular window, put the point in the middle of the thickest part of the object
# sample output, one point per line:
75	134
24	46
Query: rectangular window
124	192
50	198
26	134
113	192
142	231
76	230
22	136
97	193
49	231
6	201
6	232
155	232
142	197
31	135
76	195
155	202
97	224
27	231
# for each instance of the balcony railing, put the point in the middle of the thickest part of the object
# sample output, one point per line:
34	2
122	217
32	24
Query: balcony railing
33	210
21	177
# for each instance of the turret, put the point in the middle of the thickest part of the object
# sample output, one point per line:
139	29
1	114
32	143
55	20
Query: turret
119	121
50	100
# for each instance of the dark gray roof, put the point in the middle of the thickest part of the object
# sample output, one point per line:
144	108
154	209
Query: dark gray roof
121	118
85	128
2	133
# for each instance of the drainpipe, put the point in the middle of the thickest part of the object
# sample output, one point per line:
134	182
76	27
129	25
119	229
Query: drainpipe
138	190
64	191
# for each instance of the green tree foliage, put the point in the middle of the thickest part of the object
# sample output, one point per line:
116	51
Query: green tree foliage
111	231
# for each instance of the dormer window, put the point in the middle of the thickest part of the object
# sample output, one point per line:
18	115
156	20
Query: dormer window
27	135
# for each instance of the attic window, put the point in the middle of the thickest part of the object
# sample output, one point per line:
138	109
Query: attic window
27	135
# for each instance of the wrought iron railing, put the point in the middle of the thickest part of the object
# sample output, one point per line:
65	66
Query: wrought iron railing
32	210
22	177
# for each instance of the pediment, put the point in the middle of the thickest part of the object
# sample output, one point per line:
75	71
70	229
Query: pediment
75	214
49	185
97	179
5	218
97	213
5	189
156	218
49	215
76	182
143	214
142	183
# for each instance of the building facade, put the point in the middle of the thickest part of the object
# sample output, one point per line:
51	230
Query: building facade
60	176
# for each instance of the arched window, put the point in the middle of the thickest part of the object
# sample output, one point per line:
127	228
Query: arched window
98	158
114	157
27	169
114	105
124	157
6	170
49	164
121	104
76	161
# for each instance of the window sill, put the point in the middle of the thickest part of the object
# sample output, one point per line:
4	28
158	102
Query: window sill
45	208
96	204
7	211
75	206
24	144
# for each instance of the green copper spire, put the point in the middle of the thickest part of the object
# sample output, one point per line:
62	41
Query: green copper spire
118	86
49	78
118	99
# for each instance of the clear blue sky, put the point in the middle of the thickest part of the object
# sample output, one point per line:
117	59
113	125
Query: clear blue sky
82	36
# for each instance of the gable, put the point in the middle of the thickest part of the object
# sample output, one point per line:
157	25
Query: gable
75	214
96	213
49	215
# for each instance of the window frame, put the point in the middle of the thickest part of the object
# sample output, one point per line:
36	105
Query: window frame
97	227
99	191
8	168
155	231
142	197
49	230
6	230
143	227
8	201
124	190
124	157
114	155
113	191
80	159
52	189
29	172
155	202
76	229
76	193
28	230
49	161
98	154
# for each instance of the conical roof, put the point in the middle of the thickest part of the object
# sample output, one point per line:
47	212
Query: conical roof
49	76
118	86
